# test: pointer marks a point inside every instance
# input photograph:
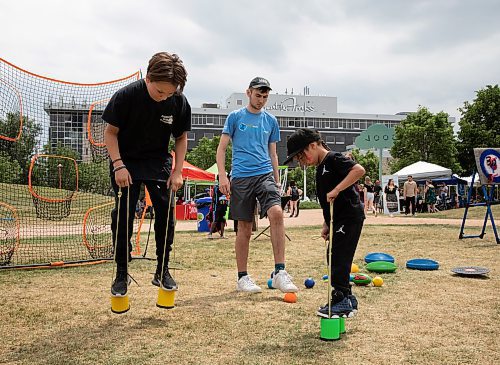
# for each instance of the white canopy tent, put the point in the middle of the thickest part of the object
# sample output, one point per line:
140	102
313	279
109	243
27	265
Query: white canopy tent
422	170
469	180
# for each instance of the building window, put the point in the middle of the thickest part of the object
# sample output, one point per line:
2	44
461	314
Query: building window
208	135
239	102
310	124
191	136
340	139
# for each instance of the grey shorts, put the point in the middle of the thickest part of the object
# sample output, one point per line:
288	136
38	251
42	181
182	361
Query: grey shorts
244	191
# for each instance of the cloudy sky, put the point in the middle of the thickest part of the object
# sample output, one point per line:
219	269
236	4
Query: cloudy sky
379	56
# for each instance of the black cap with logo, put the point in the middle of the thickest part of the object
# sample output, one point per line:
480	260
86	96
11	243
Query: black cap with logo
299	140
259	82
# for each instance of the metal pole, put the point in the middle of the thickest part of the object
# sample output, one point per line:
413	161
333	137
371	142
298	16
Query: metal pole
380	165
305	184
59	167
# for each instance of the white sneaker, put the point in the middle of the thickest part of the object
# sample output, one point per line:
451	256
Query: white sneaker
283	281
246	284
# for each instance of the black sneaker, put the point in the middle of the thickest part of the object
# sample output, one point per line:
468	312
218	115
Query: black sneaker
167	282
354	303
120	284
156	279
342	308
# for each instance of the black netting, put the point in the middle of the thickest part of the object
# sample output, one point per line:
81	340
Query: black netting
53	169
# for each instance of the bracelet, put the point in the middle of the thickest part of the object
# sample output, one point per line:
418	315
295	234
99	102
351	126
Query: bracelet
118	159
119	168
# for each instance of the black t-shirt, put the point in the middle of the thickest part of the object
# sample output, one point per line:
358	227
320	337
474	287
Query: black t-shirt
145	128
370	188
377	189
329	173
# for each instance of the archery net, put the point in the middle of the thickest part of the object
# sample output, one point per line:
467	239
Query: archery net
55	194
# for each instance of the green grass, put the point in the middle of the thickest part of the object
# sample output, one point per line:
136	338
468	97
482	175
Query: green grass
63	315
473	213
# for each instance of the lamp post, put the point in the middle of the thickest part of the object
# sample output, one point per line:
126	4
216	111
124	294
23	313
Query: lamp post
59	167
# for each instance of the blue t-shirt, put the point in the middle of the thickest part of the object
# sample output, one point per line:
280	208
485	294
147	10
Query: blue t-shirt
251	135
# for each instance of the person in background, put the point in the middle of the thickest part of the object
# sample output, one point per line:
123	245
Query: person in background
369	195
295	193
430	196
443	194
361	192
410	194
391	197
377	197
219	218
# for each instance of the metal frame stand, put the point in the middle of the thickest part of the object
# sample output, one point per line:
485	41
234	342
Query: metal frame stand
489	214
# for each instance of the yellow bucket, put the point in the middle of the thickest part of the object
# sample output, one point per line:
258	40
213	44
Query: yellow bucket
119	304
166	298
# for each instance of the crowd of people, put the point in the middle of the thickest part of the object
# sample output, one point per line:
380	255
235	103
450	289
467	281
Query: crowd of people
409	199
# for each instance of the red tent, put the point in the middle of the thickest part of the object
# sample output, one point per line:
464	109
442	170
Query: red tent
193	173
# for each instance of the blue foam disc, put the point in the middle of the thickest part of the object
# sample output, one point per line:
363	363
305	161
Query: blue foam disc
422	264
378	256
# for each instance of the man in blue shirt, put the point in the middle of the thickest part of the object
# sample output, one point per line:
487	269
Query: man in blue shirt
254	134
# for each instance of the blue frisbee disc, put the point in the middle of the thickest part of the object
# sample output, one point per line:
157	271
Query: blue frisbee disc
378	256
422	264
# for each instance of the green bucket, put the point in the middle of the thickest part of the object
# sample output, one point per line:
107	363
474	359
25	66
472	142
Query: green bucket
330	329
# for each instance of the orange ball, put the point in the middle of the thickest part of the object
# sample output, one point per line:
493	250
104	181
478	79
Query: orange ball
290	298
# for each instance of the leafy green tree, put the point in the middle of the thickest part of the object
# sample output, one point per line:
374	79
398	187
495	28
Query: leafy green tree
21	150
424	136
479	125
297	174
56	172
203	155
369	161
10	171
94	177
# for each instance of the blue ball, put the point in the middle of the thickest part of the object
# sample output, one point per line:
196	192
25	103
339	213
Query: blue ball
270	284
351	278
325	277
309	283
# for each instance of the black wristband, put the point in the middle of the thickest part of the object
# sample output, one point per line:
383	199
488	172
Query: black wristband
119	168
118	159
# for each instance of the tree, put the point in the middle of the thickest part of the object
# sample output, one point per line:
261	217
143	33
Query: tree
369	161
424	136
94	177
297	175
21	150
54	171
479	125
203	155
10	171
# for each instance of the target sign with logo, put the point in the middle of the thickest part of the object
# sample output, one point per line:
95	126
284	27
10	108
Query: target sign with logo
488	165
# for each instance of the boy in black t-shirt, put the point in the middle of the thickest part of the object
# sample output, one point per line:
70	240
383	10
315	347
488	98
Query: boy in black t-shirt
141	118
335	178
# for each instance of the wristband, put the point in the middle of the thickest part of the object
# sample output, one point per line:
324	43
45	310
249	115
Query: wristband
119	168
118	159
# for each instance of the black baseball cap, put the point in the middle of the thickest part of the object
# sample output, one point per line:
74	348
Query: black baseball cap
259	82
299	140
